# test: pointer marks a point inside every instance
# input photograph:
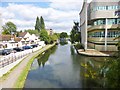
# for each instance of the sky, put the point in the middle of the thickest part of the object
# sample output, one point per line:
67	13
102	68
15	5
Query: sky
58	15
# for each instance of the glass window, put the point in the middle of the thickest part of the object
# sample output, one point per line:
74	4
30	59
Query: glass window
110	7
105	8
118	21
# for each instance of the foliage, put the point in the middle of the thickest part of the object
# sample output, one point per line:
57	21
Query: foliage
37	25
63	35
63	43
75	34
79	46
43	58
112	70
113	74
9	28
42	24
54	37
44	36
49	39
32	31
57	34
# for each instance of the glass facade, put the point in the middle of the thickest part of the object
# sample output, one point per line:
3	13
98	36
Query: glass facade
110	21
102	34
114	7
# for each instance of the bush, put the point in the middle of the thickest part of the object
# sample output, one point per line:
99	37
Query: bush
79	46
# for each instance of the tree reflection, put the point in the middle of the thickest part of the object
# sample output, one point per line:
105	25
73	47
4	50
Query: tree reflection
90	68
72	50
63	42
43	58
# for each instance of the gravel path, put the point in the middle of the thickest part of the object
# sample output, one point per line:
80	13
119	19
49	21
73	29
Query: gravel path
10	81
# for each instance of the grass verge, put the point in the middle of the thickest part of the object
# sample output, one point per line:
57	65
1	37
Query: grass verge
21	79
5	76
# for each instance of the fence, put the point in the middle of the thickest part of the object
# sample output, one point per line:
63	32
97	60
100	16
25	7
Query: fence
8	59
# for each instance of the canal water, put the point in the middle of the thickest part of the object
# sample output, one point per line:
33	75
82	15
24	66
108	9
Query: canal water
62	67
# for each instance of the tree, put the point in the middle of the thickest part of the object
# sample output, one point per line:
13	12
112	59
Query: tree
42	24
53	38
57	34
37	25
75	33
44	36
9	28
32	31
63	35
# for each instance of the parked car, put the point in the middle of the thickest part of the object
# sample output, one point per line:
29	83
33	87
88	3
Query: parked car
5	51
18	49
27	47
34	45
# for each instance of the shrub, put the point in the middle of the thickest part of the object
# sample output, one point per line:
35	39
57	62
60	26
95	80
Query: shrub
79	46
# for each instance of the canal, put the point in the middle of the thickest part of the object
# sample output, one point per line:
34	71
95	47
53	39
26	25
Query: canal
62	67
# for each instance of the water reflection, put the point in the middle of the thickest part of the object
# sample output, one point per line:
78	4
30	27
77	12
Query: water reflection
91	67
62	67
63	42
43	58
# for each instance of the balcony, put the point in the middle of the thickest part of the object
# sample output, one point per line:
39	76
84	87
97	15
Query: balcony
97	27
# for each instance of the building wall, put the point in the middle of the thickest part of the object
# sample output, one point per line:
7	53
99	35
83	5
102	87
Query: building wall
50	31
100	10
83	24
101	47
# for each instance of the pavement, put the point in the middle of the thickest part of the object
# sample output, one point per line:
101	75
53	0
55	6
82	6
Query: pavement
92	52
11	79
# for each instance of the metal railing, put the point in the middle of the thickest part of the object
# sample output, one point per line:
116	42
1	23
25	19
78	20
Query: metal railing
8	59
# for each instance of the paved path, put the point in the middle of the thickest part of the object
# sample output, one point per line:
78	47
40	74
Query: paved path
92	52
13	76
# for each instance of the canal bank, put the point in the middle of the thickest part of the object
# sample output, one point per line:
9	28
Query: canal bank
93	52
17	77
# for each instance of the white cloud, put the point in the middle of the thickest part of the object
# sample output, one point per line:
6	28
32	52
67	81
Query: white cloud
66	4
24	0
59	15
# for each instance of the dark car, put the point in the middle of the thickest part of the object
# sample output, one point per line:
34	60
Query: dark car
35	45
18	49
27	47
5	51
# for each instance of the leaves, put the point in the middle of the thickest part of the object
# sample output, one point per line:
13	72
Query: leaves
63	35
9	28
32	31
37	25
75	34
40	25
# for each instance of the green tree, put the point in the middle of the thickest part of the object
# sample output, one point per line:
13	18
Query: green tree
37	25
44	36
63	35
57	34
9	28
42	24
32	31
53	38
75	33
